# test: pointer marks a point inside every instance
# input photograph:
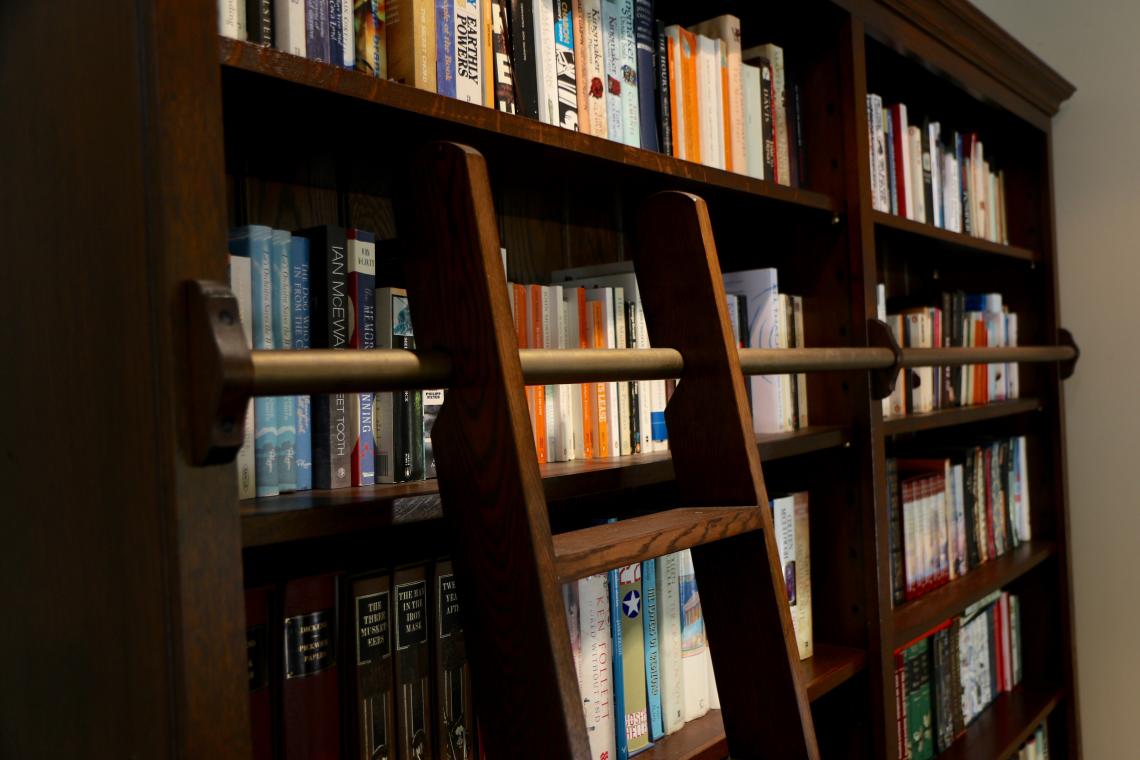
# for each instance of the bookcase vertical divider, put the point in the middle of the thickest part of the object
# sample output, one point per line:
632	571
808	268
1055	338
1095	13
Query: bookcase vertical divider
743	596
489	481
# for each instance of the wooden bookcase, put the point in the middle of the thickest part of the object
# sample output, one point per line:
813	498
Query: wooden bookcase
168	135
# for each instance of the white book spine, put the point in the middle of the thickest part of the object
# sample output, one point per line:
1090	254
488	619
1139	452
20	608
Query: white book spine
563	392
630	105
753	121
937	214
611	38
879	146
694	663
241	287
348	58
623	426
651	393
549	340
614	407
801	618
544	56
596	683
468	51
708	87
800	377
787	402
917	193
1023	489
289	26
231	19
714	695
592	46
668	600
570	301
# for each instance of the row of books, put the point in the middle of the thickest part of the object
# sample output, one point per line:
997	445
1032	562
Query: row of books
946	181
363	666
316	288
609	68
638	638
949	675
730	108
970	320
1036	747
951	513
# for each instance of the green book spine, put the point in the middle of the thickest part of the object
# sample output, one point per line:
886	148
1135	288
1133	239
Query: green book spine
919	717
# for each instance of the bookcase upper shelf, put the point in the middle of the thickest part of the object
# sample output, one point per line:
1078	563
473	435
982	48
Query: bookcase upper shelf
485	127
951	416
953	242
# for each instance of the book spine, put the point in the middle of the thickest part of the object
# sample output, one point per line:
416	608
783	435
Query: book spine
445	47
616	617
504	85
257	649
581	80
651	631
802	619
299	286
374	719
664	95
768	117
632	600
289	26
432	403
634	407
647	74
591	49
414	730
245	461
231	19
265	408
624	428
467	40
669	636
694	662
544	54
689	110
894	529
597	660
627	49
411	38
362	297
310	693
336	32
611	38
566	65
317	30
455	716
286	406
259	21
524	65
366	35
780	111
408	407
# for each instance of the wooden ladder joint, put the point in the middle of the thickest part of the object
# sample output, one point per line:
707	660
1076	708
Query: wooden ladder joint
598	548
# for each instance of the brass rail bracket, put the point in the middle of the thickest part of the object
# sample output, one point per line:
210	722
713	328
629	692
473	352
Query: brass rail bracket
1069	366
883	380
221	372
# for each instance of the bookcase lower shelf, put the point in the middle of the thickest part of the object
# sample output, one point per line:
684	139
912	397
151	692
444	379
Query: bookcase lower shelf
941	418
703	738
1003	726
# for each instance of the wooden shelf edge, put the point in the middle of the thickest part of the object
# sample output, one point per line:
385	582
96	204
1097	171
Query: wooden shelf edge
317	514
964	415
703	738
269	62
1005	725
914	618
957	240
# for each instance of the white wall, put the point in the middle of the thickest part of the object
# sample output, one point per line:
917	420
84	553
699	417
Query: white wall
1093	43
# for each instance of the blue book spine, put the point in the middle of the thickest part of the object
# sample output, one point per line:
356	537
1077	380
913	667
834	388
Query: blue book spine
646	90
445	47
317	30
254	241
299	285
649	620
616	664
975	302
630	104
283	339
336	32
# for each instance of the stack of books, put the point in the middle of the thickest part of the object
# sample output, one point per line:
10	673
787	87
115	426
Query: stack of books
949	675
949	514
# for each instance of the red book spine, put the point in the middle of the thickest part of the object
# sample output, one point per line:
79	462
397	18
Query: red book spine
910	539
257	656
898	132
999	649
310	698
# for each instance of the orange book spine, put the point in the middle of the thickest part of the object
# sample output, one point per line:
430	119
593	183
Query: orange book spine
598	333
534	307
587	417
726	108
692	114
674	77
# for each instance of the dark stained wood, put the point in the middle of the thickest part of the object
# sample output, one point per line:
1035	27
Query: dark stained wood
945	239
315	514
268	62
683	296
914	618
1005	725
941	418
598	548
703	738
489	480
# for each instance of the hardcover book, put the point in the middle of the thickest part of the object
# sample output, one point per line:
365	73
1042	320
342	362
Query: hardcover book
919	717
329	310
310	697
455	716
299	286
282	299
374	699
362	336
413	670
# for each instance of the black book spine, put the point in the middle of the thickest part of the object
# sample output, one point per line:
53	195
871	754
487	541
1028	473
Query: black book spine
927	175
958	721
948	396
969	507
767	94
796	135
329	314
412	603
895	528
661	62
943	700
524	67
1004	469
991	651
454	713
631	337
259	21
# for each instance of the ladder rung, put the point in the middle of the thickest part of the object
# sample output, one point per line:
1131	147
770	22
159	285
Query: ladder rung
580	553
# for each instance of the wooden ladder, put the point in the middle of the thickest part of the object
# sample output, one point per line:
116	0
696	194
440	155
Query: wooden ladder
511	567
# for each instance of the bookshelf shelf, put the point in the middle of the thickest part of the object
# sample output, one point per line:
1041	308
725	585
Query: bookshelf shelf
703	739
914	618
426	114
942	418
316	514
954	242
1003	726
